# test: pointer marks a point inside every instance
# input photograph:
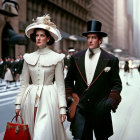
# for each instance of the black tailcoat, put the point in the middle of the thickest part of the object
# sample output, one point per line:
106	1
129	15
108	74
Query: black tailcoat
93	96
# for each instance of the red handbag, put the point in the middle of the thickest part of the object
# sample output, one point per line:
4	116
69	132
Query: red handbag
17	131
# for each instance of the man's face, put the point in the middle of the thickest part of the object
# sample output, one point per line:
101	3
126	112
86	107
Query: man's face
93	41
71	53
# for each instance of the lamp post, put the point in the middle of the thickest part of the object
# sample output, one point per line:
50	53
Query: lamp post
9	8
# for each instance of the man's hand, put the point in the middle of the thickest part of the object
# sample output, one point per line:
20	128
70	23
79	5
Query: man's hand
114	99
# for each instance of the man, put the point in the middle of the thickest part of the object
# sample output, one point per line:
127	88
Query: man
94	83
126	70
1	70
71	51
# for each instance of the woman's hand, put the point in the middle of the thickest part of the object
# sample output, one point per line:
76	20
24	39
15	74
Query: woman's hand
17	111
62	117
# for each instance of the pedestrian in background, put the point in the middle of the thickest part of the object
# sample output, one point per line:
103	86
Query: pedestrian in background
12	67
126	71
18	68
8	77
94	83
71	51
1	69
42	104
139	68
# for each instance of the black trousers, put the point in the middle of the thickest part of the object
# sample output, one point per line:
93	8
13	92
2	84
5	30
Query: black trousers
83	126
88	131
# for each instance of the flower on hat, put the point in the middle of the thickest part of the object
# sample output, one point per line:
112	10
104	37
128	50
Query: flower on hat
45	20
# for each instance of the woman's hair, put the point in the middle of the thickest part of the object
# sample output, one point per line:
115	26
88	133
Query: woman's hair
47	33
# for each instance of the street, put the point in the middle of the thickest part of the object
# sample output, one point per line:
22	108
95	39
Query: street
125	120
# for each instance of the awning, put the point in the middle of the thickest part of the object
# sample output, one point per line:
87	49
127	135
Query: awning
15	38
72	37
64	34
77	38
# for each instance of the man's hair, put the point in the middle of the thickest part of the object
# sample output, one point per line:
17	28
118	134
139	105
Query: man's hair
99	36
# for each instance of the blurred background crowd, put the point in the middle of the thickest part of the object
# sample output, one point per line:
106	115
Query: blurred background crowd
10	70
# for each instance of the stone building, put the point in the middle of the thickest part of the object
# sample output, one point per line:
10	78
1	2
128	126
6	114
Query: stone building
117	23
123	28
103	10
69	16
10	27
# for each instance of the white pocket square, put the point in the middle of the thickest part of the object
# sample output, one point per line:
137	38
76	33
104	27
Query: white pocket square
107	69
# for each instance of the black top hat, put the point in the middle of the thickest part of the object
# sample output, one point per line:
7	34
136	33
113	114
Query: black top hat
94	26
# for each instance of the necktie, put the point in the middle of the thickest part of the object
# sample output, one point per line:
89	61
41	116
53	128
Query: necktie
91	53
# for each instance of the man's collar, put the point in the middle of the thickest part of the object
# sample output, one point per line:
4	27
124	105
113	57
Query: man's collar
96	50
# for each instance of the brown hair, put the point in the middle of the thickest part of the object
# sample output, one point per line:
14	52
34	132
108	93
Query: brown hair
47	33
99	36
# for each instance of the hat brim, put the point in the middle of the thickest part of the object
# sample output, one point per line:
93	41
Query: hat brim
103	34
53	31
71	50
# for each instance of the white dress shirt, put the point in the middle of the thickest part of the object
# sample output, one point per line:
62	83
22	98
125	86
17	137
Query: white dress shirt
91	63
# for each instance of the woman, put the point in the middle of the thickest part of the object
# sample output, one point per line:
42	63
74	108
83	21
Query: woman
42	104
8	77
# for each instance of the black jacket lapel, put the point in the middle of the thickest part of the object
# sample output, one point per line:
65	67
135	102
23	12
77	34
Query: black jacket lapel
102	62
81	66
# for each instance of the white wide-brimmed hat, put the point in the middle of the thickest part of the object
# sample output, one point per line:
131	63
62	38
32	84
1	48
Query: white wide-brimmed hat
43	23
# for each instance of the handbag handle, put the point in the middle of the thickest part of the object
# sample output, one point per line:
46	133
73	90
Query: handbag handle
16	117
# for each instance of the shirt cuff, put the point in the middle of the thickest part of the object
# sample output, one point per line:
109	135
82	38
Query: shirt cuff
17	106
62	110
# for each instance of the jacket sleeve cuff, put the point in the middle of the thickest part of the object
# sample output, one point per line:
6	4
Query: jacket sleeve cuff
17	106
62	110
114	99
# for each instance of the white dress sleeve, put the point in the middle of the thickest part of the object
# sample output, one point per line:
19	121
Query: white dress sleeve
59	77
24	83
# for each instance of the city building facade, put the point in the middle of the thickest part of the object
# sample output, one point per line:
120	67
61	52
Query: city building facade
10	27
69	16
135	6
123	28
103	10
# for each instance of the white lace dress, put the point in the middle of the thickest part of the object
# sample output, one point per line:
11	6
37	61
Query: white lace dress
42	66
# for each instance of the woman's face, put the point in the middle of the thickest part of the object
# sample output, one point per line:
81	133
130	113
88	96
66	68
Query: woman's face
41	39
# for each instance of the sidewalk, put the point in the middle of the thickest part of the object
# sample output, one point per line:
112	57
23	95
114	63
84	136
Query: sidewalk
1	135
66	125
